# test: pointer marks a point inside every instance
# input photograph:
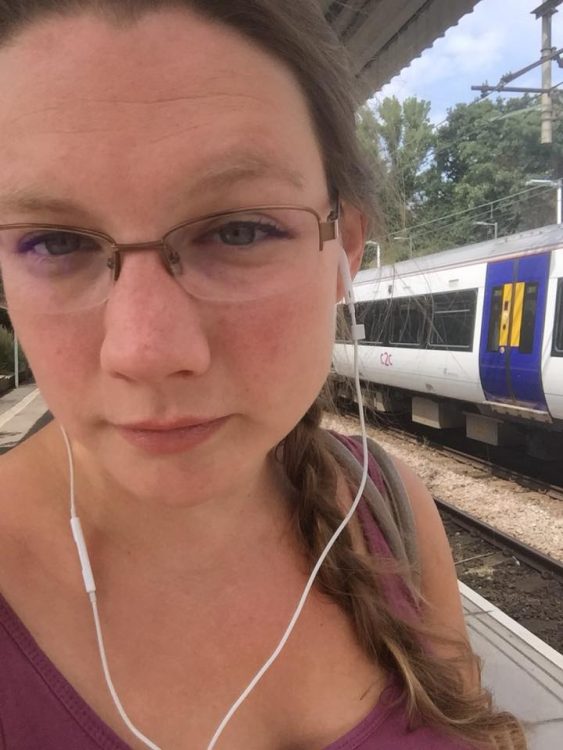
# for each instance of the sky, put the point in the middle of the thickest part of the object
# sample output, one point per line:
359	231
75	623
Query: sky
499	37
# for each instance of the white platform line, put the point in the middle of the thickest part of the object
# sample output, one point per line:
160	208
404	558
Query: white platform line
20	406
521	632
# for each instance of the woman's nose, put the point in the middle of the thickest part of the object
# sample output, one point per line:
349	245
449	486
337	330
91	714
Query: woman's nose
153	328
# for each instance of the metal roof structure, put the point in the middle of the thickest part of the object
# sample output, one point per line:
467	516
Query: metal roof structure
384	36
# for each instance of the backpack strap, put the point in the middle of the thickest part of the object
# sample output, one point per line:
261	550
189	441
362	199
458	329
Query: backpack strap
386	497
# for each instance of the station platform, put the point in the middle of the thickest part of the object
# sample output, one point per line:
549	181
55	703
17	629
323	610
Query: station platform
524	674
22	412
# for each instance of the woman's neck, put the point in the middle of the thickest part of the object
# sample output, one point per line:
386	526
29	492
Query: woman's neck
207	535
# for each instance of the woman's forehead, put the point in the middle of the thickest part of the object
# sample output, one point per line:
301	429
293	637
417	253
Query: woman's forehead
161	43
169	63
173	91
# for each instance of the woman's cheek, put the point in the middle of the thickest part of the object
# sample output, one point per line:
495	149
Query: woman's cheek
282	348
63	354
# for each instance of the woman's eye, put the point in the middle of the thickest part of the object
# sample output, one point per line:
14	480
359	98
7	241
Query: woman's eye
54	244
244	233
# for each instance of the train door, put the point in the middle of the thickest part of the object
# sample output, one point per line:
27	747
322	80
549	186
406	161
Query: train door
511	337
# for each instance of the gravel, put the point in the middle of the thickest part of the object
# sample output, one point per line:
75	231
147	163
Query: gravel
527	515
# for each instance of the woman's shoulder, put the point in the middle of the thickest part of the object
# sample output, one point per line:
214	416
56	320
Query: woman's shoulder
442	610
28	469
386	509
414	514
21	482
31	508
16	470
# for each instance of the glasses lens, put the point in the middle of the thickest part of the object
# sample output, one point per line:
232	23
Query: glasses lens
53	270
247	254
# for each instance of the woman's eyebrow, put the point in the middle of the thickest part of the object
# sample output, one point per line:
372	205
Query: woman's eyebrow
247	168
30	200
214	178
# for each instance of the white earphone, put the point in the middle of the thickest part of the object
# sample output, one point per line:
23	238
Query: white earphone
358	333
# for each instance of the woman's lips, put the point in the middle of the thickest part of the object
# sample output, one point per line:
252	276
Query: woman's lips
159	438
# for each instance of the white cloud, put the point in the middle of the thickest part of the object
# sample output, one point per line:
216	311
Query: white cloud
473	51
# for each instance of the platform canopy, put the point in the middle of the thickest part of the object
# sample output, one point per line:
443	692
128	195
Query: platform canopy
384	36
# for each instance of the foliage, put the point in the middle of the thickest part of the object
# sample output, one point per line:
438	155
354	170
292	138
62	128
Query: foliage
7	353
406	137
484	152
438	183
367	128
397	139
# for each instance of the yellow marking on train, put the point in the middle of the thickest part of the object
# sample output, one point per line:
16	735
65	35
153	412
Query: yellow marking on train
505	315
517	309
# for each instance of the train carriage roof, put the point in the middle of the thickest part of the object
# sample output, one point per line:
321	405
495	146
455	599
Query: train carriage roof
534	241
384	36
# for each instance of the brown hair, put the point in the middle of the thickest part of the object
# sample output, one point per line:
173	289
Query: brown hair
296	32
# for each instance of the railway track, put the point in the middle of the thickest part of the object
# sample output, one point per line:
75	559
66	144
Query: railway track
531	557
524	583
528	478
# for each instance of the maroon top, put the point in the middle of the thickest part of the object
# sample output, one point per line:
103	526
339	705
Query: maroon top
40	710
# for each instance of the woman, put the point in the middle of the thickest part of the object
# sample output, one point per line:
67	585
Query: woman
186	377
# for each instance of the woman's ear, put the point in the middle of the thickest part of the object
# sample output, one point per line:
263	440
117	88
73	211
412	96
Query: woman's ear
353	229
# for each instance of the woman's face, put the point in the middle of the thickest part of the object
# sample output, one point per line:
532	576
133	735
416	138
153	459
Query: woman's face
138	129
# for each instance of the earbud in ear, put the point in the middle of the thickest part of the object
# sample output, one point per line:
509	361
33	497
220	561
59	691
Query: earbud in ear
358	330
346	276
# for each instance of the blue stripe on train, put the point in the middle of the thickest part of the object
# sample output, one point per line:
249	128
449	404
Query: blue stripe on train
512	376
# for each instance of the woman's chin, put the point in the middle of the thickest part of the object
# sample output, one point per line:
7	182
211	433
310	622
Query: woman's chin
176	478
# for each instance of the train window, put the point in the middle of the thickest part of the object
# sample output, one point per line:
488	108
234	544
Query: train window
494	319
374	316
557	349
528	318
453	320
343	325
408	321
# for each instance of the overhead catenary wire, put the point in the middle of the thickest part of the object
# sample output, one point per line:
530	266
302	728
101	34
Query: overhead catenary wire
465	211
481	215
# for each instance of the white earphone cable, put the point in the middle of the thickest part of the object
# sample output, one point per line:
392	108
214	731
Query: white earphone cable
357	334
132	728
90	586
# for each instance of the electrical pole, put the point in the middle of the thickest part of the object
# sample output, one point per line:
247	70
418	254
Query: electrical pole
377	246
545	11
16	362
559	196
408	239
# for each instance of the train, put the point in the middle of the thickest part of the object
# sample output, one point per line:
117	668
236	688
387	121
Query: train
470	338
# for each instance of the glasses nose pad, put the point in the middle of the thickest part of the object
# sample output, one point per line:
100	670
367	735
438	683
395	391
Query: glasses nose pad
171	259
114	264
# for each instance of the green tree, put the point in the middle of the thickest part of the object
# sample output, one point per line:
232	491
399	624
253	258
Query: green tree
484	152
368	135
406	137
397	138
